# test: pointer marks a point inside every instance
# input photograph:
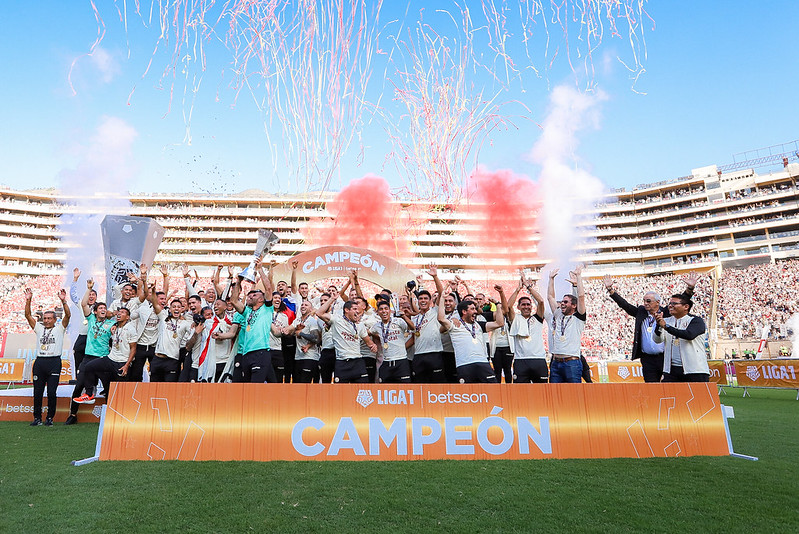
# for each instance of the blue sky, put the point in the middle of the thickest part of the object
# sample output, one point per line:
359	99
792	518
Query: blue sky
720	79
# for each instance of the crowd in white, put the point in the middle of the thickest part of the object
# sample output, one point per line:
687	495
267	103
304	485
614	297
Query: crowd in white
747	300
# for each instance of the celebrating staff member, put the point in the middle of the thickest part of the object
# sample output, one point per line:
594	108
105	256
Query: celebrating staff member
471	355
684	338
527	337
255	320
428	362
395	368
347	333
567	325
123	350
47	365
98	344
649	352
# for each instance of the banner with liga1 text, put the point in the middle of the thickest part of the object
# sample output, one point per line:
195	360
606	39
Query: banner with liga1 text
147	421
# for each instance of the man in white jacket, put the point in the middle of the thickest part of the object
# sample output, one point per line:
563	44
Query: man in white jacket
684	358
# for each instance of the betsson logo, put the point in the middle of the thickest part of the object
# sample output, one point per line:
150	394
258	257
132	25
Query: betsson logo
407	397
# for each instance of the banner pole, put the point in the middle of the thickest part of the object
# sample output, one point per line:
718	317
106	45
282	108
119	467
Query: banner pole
727	412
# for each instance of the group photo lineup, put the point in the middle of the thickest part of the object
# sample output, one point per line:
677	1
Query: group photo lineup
336	265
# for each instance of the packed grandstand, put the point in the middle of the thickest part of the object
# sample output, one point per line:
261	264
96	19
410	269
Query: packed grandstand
738	228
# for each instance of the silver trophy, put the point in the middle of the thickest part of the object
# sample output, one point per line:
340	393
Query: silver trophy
127	243
266	240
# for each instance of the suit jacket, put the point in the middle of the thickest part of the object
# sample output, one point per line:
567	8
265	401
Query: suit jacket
640	313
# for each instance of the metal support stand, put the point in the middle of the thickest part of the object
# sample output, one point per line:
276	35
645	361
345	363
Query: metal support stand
728	413
96	456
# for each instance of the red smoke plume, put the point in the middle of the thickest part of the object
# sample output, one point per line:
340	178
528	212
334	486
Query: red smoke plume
362	215
502	209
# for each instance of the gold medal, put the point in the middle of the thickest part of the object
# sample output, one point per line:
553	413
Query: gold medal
676	341
175	335
44	347
527	338
417	334
85	321
248	328
385	345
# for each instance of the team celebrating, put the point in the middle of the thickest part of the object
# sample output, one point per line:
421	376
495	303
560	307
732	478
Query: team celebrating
260	332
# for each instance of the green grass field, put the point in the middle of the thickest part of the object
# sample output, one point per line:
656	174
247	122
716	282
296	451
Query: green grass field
41	492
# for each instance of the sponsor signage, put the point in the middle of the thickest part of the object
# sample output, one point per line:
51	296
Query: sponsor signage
147	421
768	373
621	372
11	369
20	408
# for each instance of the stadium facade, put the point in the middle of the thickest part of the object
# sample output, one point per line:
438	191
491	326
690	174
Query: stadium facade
706	220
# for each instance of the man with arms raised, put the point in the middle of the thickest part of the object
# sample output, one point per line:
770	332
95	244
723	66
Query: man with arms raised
567	322
47	365
428	362
471	355
171	329
527	336
256	323
644	347
683	336
391	331
347	334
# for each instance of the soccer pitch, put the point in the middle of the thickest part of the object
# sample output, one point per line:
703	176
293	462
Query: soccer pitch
42	492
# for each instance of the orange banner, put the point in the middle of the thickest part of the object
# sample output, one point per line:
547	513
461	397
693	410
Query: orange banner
767	373
593	368
625	372
11	369
66	371
718	372
20	408
370	422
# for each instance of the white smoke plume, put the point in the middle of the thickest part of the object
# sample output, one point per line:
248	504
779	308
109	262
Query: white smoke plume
568	192
96	187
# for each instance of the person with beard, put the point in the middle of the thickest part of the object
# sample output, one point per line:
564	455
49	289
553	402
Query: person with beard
567	322
47	365
471	355
448	352
347	334
527	336
256	323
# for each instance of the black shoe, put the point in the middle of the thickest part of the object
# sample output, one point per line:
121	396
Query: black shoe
71	420
36	422
48	422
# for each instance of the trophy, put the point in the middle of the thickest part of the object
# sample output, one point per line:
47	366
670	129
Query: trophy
266	240
127	243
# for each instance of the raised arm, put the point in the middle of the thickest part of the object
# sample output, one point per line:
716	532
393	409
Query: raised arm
618	299
412	301
84	302
345	288
433	272
235	293
165	273
323	311
445	323
73	287
553	304
215	280
356	283
504	303
576	278
28	314
294	265
539	309
153	298
62	296
499	317
690	283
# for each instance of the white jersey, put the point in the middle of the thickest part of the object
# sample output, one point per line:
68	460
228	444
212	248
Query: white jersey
131	305
565	333
467	340
428	334
149	334
446	341
346	337
369	318
170	334
312	326
392	338
121	338
49	341
528	337
223	349
280	320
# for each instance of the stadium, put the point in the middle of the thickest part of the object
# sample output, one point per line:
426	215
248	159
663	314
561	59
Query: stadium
738	226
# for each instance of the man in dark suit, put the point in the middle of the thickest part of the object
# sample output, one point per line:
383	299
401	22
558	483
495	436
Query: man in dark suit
644	348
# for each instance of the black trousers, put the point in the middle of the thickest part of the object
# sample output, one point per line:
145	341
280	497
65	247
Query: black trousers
185	360
306	371
472	373
80	384
351	371
144	353
652	367
289	347
371	368
257	366
450	370
395	372
238	370
164	370
503	364
103	369
278	366
586	370
428	368
527	370
79	352
46	373
327	364
676	374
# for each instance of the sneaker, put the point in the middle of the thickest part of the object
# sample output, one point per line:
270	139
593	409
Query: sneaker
48	422
36	422
84	399
71	420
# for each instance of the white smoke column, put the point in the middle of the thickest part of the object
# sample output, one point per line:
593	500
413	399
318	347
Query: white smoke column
568	192
96	187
